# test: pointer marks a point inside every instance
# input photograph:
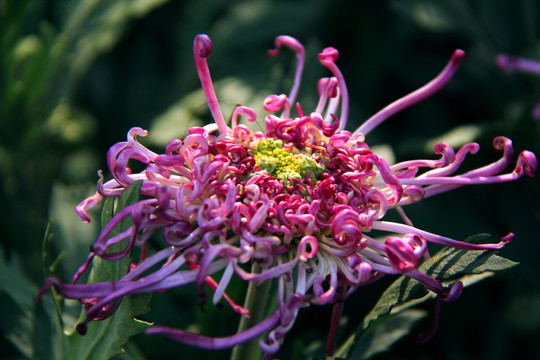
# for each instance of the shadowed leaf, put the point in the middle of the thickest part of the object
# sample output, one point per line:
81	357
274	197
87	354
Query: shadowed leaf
447	266
106	338
388	330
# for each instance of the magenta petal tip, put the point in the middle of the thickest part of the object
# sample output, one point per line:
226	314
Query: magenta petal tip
203	45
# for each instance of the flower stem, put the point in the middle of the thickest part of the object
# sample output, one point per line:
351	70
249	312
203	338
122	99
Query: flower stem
337	311
256	300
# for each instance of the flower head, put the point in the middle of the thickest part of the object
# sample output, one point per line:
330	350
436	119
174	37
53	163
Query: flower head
300	200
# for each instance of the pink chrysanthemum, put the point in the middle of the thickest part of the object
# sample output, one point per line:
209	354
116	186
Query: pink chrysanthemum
299	200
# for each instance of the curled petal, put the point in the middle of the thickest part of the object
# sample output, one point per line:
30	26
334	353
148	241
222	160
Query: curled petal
526	164
217	343
273	103
177	233
411	167
141	151
76	291
346	229
326	88
88	203
243	110
388	177
499	143
332	87
470	148
271	273
221	250
202	45
295	45
416	96
325	297
414	193
289	41
260	216
136	131
103	242
375	196
453	291
308	247
202	48
328	54
322	85
404	253
448	154
328	128
362	270
173	146
327	58
437	239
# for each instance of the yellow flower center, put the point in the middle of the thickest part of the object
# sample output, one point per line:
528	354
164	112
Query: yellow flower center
284	164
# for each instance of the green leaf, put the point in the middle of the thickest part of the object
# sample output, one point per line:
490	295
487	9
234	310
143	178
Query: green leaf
132	352
17	293
388	330
15	284
25	323
105	339
447	266
46	255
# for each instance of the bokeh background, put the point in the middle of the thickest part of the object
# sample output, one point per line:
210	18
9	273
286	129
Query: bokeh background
75	76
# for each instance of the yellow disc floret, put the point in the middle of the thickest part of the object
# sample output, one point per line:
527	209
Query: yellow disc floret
285	164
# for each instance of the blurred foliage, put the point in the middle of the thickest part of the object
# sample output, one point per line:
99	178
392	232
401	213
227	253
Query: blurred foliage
75	75
46	48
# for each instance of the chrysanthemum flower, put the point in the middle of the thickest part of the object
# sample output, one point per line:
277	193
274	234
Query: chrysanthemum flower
299	200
